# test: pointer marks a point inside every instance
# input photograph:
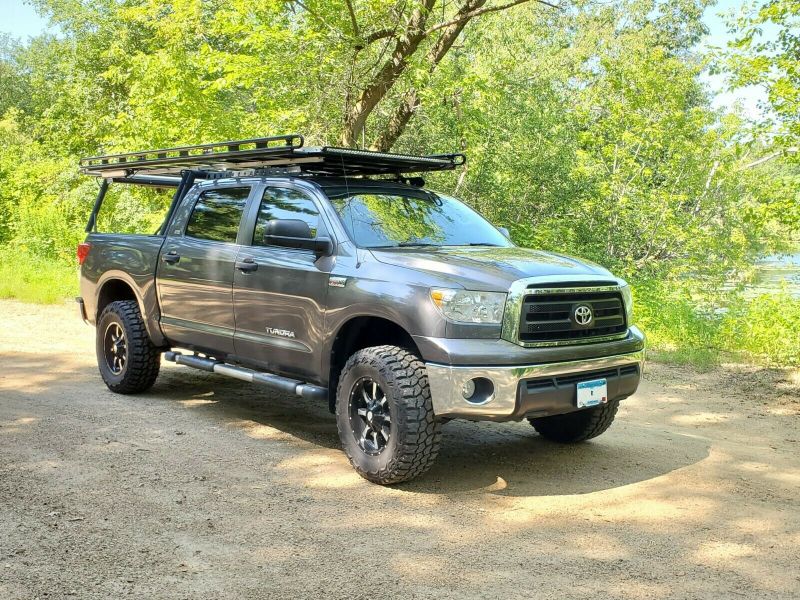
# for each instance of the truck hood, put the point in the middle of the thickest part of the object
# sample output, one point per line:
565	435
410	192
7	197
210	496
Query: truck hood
487	268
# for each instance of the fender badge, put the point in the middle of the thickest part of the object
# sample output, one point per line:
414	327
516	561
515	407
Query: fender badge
279	332
339	282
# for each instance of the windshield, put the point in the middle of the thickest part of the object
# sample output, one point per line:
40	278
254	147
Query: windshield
392	220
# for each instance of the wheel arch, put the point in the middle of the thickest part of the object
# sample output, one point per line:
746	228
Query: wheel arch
118	285
112	290
357	333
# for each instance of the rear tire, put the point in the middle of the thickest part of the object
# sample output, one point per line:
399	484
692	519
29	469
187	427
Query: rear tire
385	416
577	426
127	359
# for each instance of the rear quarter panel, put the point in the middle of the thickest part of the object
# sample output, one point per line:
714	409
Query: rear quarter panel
129	258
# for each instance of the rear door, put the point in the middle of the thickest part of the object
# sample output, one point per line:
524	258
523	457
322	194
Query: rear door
279	303
195	273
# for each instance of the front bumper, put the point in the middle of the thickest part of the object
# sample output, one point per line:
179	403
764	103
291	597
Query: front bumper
530	390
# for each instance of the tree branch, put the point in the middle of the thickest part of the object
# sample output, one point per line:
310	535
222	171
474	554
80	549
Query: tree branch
480	11
397	122
410	100
407	42
386	77
769	157
353	21
379	35
317	16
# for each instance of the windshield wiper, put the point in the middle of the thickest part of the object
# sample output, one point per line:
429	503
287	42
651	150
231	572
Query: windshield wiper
429	245
404	245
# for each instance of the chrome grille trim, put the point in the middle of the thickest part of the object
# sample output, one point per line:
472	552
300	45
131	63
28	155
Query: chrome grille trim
566	284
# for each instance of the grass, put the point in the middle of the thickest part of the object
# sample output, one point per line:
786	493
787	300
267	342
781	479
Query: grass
702	359
36	280
686	328
766	327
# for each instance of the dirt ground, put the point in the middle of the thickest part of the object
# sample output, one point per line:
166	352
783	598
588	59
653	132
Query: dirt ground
204	488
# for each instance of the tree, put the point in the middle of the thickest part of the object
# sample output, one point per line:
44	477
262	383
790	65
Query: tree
594	136
773	62
14	89
419	38
587	129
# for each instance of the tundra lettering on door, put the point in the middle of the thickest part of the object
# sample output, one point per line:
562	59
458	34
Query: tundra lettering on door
280	332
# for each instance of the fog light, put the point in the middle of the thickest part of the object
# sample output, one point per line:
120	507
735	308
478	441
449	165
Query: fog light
478	390
468	389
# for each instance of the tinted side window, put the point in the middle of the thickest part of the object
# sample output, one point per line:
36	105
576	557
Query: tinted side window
217	214
281	203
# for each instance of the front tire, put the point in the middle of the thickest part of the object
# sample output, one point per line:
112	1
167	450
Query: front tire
127	359
577	426
385	416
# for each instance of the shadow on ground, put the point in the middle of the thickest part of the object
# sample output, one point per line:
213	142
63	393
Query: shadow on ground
503	458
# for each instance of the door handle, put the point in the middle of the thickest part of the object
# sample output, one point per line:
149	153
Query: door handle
171	257
247	265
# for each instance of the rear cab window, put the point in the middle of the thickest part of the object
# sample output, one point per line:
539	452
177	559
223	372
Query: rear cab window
217	214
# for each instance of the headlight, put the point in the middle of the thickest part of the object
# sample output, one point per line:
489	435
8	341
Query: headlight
627	299
464	306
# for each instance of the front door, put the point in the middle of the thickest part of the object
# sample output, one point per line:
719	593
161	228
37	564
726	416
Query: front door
279	296
195	272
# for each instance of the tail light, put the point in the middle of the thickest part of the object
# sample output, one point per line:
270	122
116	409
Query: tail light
83	251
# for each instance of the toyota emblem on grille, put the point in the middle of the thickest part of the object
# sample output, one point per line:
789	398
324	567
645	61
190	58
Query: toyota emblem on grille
582	315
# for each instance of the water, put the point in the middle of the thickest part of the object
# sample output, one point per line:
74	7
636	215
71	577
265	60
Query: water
773	272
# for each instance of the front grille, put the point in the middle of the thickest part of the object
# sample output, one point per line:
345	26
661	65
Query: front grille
552	317
543	383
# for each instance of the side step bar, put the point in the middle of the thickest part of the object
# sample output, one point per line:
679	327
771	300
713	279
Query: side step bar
275	382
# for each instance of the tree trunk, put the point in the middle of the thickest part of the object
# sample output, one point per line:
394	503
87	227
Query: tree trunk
406	45
410	100
373	93
397	122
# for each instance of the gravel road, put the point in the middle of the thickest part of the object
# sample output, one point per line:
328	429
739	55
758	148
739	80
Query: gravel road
205	488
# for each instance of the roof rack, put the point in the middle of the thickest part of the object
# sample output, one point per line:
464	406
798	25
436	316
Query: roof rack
180	167
214	160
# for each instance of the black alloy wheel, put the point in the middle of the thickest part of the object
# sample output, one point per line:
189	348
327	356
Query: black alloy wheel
384	414
116	348
370	416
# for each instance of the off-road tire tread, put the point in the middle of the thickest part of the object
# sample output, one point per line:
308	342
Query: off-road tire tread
577	426
144	359
418	445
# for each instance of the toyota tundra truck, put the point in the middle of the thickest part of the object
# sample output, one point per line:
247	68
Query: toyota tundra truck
335	275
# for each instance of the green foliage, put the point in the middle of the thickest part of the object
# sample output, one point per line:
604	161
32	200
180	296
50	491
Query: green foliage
771	61
765	327
608	149
588	130
687	326
672	316
42	198
29	278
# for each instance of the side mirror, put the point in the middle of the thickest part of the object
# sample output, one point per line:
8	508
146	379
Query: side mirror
295	233
504	231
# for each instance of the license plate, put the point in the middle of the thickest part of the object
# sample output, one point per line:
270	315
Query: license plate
592	393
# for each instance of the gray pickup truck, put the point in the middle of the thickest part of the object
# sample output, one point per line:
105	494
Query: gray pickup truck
331	274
